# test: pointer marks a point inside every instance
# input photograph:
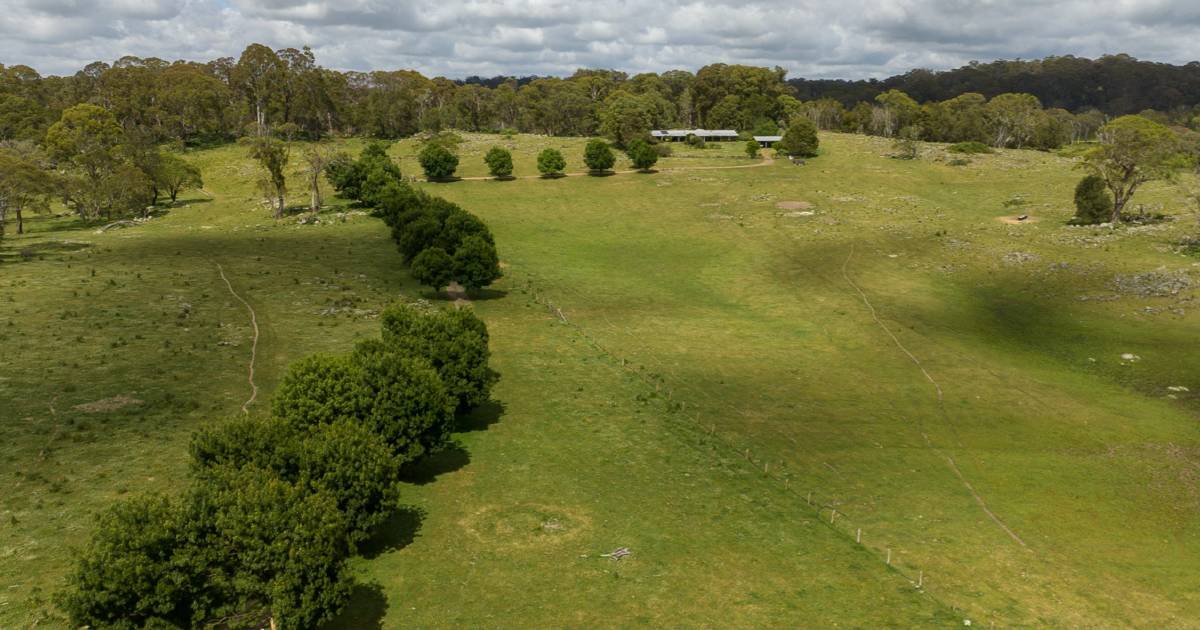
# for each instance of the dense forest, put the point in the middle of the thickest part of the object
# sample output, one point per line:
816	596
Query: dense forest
1113	84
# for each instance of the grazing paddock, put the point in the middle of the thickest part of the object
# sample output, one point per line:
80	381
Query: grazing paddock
792	395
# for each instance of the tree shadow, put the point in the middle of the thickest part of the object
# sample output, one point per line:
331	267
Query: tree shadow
647	171
427	469
553	175
183	203
444	180
397	532
606	173
365	610
504	178
481	417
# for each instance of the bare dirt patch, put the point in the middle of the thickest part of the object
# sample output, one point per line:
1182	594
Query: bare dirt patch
794	205
1015	219
105	405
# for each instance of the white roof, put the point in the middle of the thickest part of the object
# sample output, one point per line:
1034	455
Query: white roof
678	133
768	138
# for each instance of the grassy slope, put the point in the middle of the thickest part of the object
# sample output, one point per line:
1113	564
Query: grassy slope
578	463
746	314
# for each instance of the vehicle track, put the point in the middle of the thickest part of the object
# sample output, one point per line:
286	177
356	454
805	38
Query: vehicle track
253	345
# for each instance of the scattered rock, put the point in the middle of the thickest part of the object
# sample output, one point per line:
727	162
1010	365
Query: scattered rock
1019	258
107	404
794	205
1160	283
1130	357
1177	388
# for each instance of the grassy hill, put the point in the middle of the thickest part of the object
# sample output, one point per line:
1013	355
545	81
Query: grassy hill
707	366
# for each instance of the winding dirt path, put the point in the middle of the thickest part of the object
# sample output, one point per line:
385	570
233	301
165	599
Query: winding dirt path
941	405
253	346
766	161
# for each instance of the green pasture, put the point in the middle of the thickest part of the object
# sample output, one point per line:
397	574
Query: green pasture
688	371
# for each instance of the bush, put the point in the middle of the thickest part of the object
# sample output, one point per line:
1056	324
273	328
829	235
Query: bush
345	459
454	341
406	401
437	161
396	395
132	572
752	148
800	138
317	389
641	154
550	162
350	177
475	263
1093	204
499	162
663	149
598	156
433	267
267	548
695	141
970	148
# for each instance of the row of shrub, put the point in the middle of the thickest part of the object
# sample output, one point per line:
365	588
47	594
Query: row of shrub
278	503
439	240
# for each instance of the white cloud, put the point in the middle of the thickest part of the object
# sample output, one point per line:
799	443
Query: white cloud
845	38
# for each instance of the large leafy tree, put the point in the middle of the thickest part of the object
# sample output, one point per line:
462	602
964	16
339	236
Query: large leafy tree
437	161
24	186
626	117
550	162
1131	152
499	162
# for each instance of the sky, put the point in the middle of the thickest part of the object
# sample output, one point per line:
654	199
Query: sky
849	39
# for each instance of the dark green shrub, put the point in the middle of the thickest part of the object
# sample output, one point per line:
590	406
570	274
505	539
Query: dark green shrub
454	341
437	161
550	162
499	162
318	389
433	267
343	458
641	154
406	401
1093	204
695	141
970	148
133	571
476	264
598	156
752	148
800	139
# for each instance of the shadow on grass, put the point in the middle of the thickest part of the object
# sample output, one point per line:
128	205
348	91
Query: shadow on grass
481	417
426	470
601	173
365	610
559	175
444	180
397	532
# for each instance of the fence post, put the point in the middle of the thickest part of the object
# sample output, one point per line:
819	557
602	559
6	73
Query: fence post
920	578
858	536
889	556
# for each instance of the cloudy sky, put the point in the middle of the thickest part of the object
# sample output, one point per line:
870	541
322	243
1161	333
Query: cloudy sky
457	38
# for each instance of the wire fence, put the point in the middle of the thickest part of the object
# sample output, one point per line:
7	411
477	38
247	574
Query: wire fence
822	506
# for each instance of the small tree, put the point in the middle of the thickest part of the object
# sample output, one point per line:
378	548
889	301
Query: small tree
1092	202
598	156
694	141
752	148
316	158
499	162
642	154
905	144
176	174
800	138
433	267
272	156
1132	151
476	264
550	162
437	161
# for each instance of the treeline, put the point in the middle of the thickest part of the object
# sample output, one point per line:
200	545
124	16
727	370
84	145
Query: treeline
287	93
278	504
1113	85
